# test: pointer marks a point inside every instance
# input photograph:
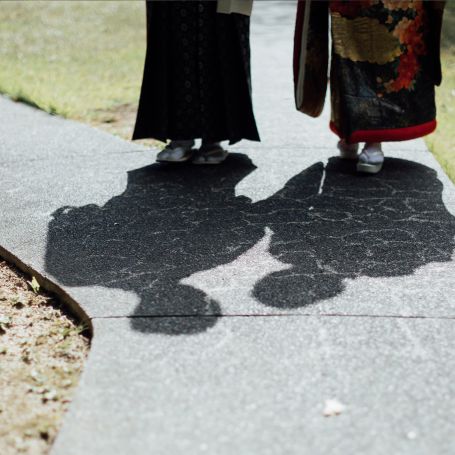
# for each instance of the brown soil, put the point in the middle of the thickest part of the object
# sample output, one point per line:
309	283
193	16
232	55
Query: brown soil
120	122
42	352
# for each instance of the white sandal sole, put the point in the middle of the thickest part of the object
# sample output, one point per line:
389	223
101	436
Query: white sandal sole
201	159
369	168
184	159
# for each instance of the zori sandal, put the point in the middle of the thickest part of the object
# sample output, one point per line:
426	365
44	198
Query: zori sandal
371	159
348	151
210	154
176	152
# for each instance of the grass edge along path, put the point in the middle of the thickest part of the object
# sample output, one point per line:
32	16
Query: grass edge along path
442	142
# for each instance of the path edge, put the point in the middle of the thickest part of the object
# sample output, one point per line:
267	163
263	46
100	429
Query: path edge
70	305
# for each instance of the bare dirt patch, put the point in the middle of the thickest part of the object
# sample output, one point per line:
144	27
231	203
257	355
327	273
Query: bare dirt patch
119	121
42	352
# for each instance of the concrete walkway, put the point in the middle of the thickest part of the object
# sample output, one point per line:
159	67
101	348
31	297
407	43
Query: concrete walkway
229	303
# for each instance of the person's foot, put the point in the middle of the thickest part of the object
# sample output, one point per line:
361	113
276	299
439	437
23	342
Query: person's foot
371	159
176	152
211	153
348	151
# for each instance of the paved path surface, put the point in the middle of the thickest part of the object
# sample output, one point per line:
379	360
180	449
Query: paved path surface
229	303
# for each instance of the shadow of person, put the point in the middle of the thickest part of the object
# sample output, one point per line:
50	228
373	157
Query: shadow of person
383	225
329	224
170	222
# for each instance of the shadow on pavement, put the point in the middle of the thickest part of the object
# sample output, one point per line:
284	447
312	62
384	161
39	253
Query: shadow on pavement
173	221
377	226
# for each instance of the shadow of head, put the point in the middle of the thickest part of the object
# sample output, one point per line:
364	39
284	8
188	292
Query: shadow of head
383	225
170	222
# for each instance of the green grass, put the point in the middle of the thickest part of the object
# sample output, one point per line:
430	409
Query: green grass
84	59
80	59
442	142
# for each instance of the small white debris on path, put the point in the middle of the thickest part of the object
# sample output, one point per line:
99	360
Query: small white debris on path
411	435
333	408
324	174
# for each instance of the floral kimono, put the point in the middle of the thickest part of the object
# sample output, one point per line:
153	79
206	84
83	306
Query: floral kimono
384	67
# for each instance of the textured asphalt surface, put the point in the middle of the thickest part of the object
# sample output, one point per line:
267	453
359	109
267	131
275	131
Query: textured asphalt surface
229	303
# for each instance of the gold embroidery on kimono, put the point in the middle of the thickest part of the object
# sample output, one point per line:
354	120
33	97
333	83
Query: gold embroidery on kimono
364	40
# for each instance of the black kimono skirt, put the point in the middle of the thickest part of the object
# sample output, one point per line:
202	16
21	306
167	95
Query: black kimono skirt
197	80
384	67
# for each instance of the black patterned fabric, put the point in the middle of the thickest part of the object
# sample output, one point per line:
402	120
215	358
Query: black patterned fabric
197	74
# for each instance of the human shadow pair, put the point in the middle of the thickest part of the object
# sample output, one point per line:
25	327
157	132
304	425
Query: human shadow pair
174	221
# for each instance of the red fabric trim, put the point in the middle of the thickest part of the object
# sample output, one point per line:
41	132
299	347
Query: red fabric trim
388	135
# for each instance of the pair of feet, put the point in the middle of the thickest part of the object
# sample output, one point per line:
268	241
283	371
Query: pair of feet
370	159
183	151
